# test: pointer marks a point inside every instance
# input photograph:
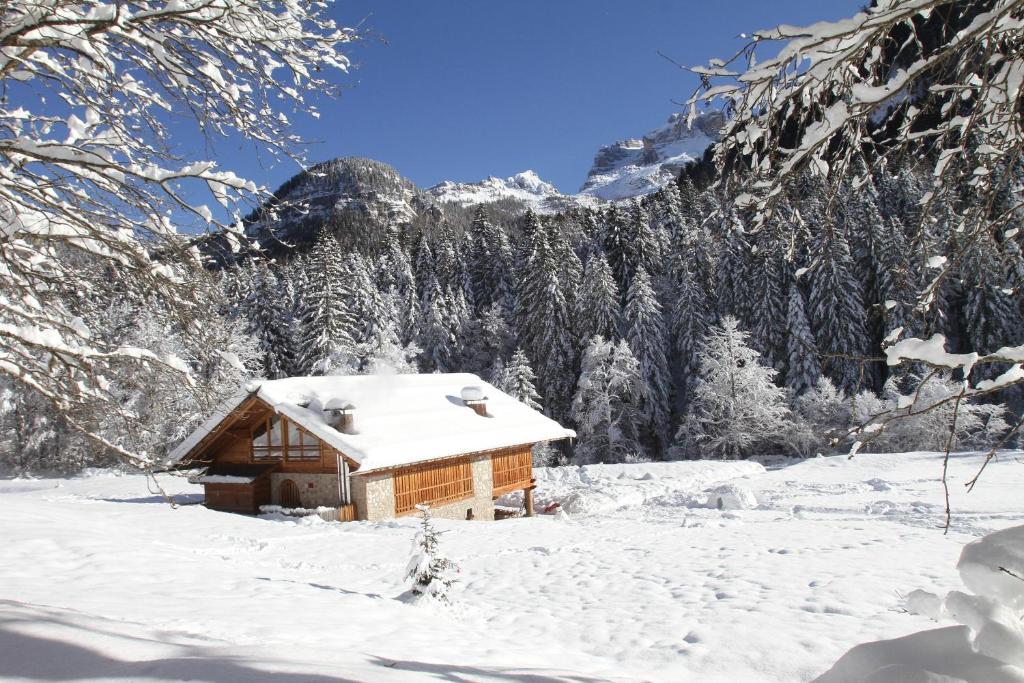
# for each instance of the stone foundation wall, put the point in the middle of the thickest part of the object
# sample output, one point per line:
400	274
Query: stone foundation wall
374	496
324	490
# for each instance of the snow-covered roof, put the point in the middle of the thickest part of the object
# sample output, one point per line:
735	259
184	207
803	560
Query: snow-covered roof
398	419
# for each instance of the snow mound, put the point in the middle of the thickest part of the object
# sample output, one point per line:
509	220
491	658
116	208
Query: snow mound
988	646
602	489
940	656
993	566
731	497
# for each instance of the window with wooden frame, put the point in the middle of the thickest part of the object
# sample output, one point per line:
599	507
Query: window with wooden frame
302	445
435	484
268	439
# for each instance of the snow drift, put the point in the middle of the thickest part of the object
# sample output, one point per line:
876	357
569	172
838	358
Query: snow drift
988	646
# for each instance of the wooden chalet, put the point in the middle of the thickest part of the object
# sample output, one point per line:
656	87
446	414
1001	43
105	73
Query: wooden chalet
371	446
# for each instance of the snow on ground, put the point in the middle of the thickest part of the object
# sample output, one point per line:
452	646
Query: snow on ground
643	577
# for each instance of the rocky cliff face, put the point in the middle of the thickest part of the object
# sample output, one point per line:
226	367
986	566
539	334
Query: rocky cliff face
353	196
635	167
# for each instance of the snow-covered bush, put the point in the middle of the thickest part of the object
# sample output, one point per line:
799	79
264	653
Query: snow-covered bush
930	417
430	574
818	414
987	646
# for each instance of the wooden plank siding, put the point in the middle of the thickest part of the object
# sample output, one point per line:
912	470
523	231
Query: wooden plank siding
243	498
512	469
434	484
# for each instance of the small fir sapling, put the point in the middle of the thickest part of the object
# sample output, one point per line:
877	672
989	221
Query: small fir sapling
431	575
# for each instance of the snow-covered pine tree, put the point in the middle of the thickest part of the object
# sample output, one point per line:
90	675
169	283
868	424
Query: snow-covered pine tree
545	321
424	269
461	324
645	331
480	261
290	278
766	297
896	292
436	340
604	406
446	257
615	239
501	266
990	315
730	272
494	341
803	369
381	351
269	323
519	381
531	226
570	270
690	316
327	324
431	575
598	307
736	406
836	309
496	375
668	214
378	347
590	240
396	279
642	248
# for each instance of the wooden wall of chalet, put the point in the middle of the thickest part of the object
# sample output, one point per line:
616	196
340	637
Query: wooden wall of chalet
242	498
512	469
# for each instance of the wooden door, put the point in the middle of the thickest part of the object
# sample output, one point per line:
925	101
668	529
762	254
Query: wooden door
290	494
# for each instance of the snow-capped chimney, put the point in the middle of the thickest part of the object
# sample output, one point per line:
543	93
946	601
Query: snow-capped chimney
474	398
340	415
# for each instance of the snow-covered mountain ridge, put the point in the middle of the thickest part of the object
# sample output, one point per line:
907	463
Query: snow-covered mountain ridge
636	167
364	196
623	170
526	187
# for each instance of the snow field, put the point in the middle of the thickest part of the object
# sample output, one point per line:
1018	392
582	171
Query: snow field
641	578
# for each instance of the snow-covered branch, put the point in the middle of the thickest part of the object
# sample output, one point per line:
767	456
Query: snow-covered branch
92	181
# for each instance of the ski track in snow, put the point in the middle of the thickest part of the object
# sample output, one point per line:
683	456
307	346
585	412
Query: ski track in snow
646	580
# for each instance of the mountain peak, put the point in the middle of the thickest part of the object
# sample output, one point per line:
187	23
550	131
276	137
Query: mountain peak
639	166
526	187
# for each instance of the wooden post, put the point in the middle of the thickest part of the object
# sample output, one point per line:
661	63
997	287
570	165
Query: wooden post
529	499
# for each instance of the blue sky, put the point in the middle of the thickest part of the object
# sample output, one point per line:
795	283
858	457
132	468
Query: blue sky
460	90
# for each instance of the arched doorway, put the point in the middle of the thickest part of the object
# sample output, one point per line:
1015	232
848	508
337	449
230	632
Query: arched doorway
290	494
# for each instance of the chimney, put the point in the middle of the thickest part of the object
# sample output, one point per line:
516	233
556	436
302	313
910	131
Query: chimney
474	398
340	415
